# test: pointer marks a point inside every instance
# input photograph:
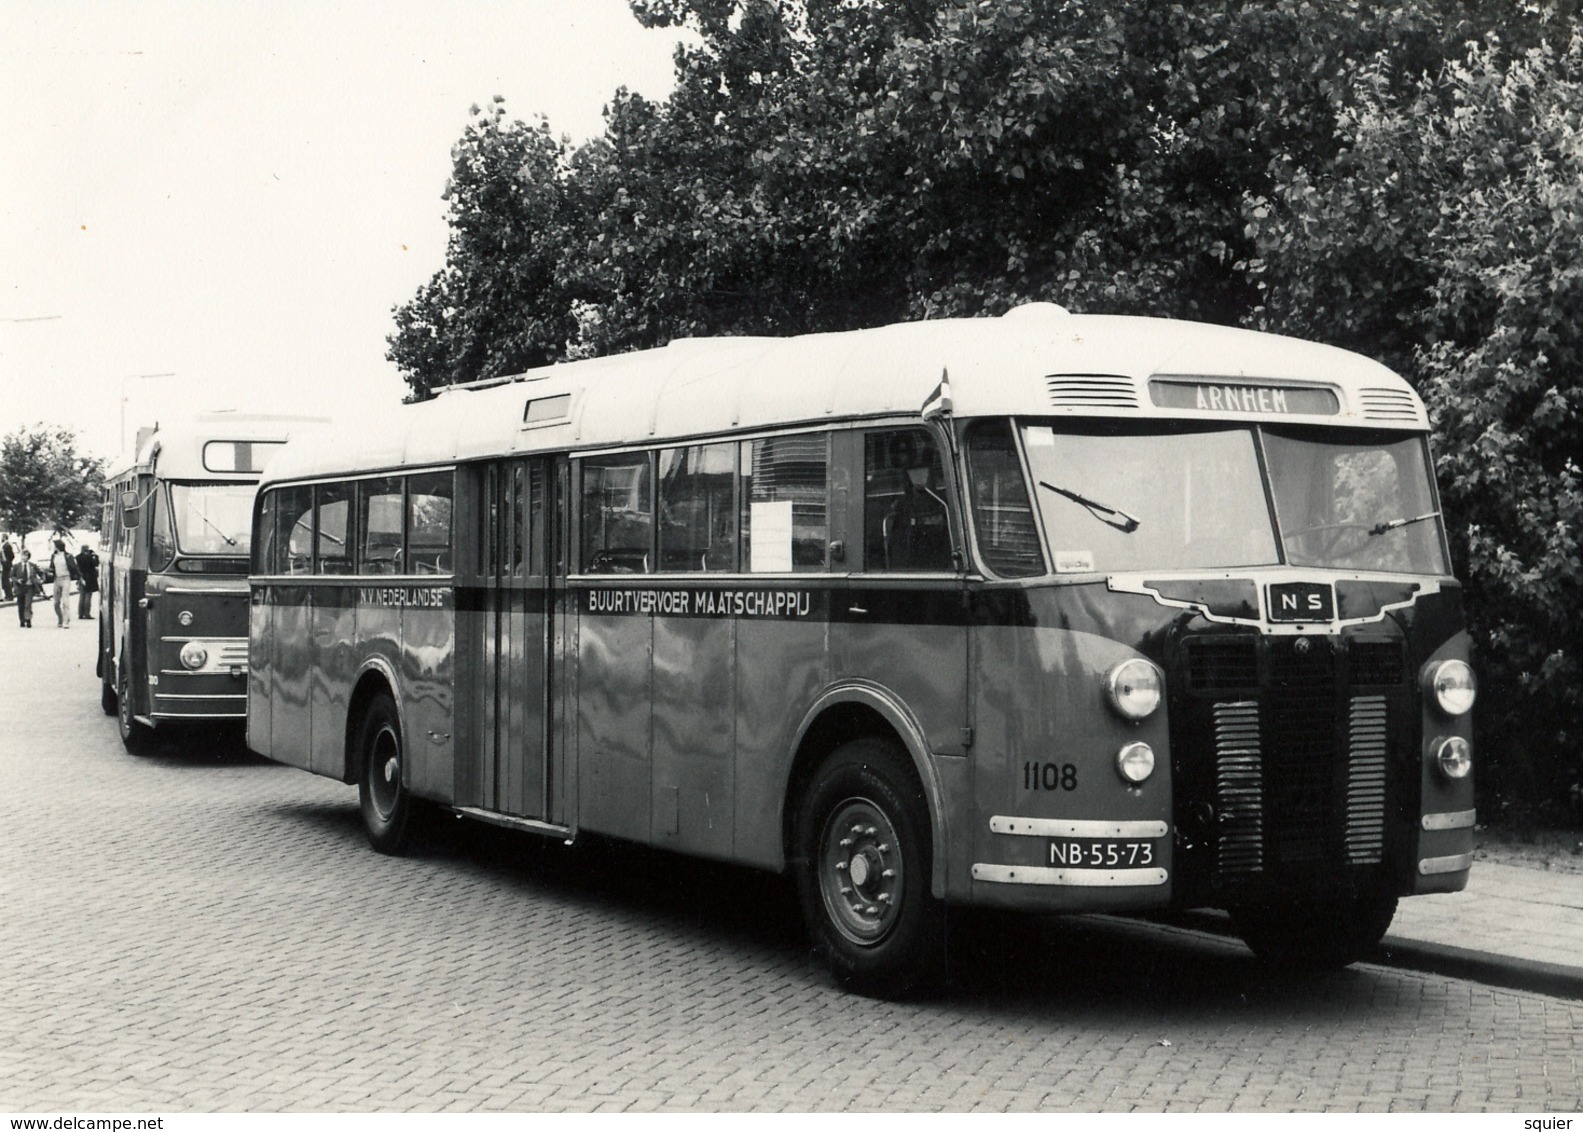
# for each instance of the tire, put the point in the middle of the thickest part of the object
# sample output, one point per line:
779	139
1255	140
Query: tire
390	812
137	738
1315	937
863	861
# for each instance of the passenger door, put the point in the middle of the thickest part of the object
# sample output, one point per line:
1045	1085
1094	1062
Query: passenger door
513	630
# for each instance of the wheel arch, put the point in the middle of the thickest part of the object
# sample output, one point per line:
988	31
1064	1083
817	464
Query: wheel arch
855	711
375	678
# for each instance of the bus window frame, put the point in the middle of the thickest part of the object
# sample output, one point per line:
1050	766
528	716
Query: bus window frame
944	451
357	485
969	510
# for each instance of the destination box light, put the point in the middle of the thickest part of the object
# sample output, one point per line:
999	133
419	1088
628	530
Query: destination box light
1221	396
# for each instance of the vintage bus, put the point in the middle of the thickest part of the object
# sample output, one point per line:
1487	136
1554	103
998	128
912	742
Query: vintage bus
1049	612
173	608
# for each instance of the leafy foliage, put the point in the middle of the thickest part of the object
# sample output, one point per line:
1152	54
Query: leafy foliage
46	483
1347	171
1451	229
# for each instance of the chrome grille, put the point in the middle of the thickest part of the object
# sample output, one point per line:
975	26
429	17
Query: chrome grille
1282	757
1239	789
1366	748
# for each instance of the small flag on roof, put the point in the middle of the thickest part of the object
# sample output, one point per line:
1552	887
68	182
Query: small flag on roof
938	403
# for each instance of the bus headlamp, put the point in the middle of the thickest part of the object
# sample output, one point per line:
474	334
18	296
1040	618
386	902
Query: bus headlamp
1135	762
1454	757
1134	687
1453	686
194	654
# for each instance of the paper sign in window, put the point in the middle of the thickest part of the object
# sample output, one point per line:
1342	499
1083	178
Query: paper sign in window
771	537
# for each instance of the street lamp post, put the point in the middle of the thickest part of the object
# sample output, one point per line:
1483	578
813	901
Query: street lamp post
124	380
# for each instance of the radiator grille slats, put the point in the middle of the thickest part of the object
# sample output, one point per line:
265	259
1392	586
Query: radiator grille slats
1366	749
1239	789
1297	766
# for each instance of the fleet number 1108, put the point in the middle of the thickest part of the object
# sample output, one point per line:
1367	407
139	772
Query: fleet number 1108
1049	776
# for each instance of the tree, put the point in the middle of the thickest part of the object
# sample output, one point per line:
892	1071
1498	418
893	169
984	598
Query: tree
1449	231
495	307
46	483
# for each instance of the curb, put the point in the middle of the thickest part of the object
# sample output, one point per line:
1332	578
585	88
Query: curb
1505	971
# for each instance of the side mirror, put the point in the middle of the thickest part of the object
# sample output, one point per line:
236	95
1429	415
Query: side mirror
131	510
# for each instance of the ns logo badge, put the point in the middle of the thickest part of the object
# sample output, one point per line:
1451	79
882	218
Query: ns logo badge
1301	601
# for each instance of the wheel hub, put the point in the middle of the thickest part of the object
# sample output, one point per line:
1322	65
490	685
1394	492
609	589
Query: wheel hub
860	875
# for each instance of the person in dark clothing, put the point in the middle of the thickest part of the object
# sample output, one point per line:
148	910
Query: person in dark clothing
87	581
7	561
29	582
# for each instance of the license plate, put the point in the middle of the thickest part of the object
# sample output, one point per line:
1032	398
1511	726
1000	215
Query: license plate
1102	853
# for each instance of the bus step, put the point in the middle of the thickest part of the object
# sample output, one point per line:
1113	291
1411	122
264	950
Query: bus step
529	825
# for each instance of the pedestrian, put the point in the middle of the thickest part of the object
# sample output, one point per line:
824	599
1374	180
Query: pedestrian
88	581
7	561
62	573
28	581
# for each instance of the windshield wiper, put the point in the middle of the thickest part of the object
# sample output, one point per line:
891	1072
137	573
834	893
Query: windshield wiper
1110	516
1381	528
219	530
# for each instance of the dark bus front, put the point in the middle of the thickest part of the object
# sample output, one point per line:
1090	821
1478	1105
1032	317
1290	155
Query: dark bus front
1268	616
174	615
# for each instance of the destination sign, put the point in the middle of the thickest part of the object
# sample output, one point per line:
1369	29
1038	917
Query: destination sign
1209	396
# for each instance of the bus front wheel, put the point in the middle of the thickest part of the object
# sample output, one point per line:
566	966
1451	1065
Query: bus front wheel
1321	936
137	738
862	860
388	808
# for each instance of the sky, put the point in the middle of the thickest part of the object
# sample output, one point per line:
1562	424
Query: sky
236	193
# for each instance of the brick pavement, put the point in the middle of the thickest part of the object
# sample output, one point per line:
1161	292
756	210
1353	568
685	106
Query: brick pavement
200	930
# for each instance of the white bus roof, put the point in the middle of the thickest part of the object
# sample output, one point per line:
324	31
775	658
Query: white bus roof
1035	361
182	450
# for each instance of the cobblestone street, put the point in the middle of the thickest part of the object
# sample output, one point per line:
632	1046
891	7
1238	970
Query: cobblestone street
202	930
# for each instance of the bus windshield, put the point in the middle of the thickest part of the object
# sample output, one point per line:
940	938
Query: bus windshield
1150	501
1195	499
1355	500
213	518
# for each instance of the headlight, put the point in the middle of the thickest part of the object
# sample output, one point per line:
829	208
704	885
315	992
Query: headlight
1134	687
194	654
1135	762
184	617
1453	686
1454	757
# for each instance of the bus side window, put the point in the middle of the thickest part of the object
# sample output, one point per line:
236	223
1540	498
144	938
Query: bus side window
380	504
698	528
905	523
786	506
264	539
335	505
1008	540
292	552
617	515
429	523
